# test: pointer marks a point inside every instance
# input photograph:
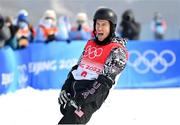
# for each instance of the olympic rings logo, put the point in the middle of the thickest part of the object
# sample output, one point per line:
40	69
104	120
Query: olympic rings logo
151	60
92	52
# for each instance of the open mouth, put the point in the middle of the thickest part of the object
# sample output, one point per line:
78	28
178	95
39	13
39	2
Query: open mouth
100	34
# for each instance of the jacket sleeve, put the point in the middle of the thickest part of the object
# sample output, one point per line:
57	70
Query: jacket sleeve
115	63
136	28
69	79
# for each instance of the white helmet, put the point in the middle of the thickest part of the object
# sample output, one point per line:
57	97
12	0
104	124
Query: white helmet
23	12
81	18
50	14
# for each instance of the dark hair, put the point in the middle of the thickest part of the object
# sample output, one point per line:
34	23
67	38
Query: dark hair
1	21
128	15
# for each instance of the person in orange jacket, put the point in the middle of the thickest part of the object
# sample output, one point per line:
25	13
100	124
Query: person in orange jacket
81	29
47	28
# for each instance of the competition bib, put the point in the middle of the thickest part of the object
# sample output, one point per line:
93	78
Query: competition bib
93	60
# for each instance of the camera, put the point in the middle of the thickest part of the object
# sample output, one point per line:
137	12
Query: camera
127	18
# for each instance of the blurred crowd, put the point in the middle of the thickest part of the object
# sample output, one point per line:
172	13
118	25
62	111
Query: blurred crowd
19	32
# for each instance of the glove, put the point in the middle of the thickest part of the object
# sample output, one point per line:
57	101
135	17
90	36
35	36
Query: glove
50	38
64	98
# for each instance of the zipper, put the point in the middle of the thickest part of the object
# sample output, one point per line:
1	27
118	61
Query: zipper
74	89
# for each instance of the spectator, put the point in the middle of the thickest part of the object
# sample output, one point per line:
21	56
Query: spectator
81	30
25	32
64	28
47	28
129	28
158	26
13	29
4	32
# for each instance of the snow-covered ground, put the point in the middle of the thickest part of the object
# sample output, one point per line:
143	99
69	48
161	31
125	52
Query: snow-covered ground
123	107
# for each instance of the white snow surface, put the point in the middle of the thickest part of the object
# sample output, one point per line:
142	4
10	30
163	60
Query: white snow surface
123	107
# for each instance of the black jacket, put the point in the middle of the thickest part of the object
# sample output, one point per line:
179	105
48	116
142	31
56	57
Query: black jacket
88	91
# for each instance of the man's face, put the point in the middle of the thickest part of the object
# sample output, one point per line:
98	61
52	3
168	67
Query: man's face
102	29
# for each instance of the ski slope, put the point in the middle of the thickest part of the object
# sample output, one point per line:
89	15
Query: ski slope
123	107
